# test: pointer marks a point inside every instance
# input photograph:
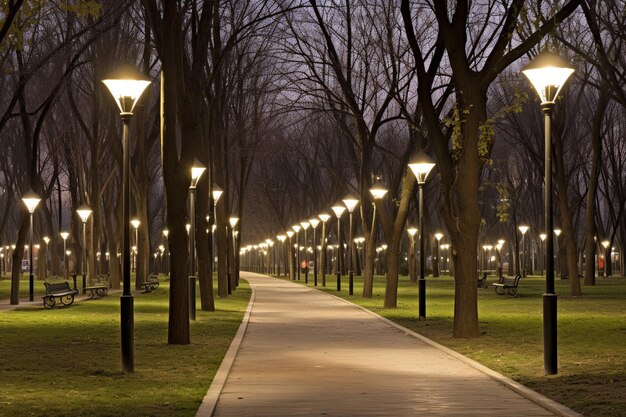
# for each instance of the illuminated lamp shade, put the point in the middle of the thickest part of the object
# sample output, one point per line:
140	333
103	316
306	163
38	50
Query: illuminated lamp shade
338	208
233	221
217	192
350	202
126	85
305	225
135	223
84	212
547	72
378	190
324	217
196	172
412	231
421	165
31	200
314	222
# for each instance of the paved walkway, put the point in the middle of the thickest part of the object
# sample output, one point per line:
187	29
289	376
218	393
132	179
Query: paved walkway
306	353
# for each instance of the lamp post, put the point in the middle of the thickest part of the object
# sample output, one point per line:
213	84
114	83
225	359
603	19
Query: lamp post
548	72
126	85
64	236
338	209
31	200
196	172
607	259
438	237
214	196
314	222
378	192
305	225
166	266
523	230
499	251
84	212
557	233
296	229
46	240
135	223
232	268
324	218
411	231
350	201
543	236
421	165
290	234
281	239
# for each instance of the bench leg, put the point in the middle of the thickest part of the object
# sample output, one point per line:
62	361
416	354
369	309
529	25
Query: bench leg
67	300
49	302
500	290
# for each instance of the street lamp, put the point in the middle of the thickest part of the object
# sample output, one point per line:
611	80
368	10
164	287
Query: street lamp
412	231
64	236
438	237
31	200
324	218
305	225
281	239
214	196
135	223
605	245
126	85
350	201
232	270
84	212
166	233
421	165
46	240
290	234
523	230
314	222
548	72
557	233
196	172
338	209
296	229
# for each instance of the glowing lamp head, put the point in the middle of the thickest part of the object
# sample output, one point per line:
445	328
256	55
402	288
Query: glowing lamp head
64	235
421	164
126	85
281	238
438	236
196	172
46	239
31	200
557	232
314	222
233	221
412	231
338	208
350	201
290	233
217	192
378	190
84	212
324	217
548	72
135	223
166	233
305	225
523	229
543	236
605	243
296	228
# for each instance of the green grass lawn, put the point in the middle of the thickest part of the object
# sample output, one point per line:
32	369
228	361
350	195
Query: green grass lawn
592	335
66	362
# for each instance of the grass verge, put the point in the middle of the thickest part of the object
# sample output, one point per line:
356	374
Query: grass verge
591	335
66	361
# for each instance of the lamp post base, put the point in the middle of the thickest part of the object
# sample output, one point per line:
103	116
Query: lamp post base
31	287
84	283
422	298
192	297
550	362
338	281
128	330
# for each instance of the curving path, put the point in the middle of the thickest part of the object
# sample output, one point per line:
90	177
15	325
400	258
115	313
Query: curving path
306	353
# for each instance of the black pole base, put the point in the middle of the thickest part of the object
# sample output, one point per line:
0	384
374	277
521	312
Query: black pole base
422	298
306	277
315	279
192	297
84	283
550	360
350	282
338	281
230	290
128	332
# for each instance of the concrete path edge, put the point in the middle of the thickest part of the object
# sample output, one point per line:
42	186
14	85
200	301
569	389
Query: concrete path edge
209	402
541	400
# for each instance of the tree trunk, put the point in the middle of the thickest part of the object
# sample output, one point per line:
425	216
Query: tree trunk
16	257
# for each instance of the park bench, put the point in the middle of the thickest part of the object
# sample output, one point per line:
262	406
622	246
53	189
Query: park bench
100	288
507	285
60	290
151	284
